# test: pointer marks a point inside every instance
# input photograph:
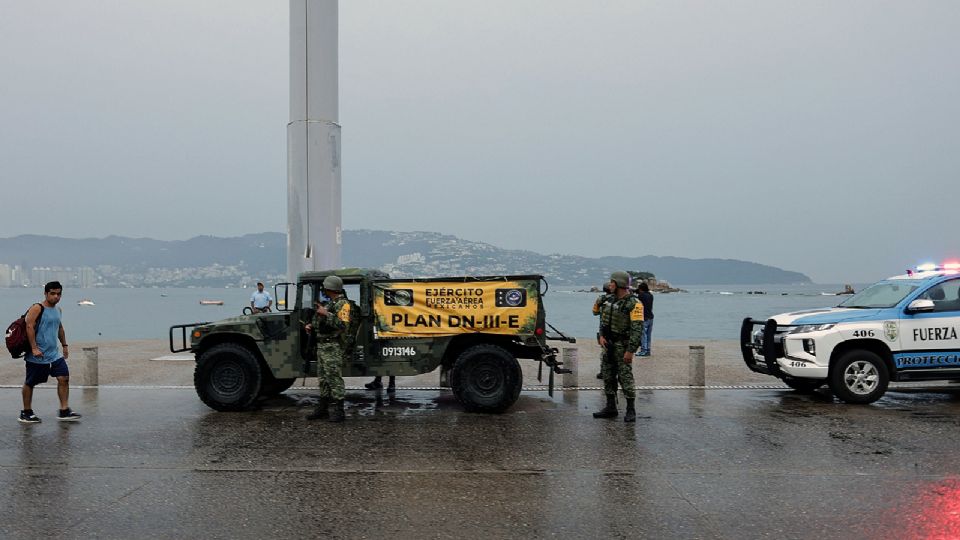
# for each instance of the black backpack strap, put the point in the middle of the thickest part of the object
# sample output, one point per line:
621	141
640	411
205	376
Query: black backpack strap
39	317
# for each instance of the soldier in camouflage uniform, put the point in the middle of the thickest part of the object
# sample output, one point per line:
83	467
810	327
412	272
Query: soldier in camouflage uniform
621	326
330	324
598	304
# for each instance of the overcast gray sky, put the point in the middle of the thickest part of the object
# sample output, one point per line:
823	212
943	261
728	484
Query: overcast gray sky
817	136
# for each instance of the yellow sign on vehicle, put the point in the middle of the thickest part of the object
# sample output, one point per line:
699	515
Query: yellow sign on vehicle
440	308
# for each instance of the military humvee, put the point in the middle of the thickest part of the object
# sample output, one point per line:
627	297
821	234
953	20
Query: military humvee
474	328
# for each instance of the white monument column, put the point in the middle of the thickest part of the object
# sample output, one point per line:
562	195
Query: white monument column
313	139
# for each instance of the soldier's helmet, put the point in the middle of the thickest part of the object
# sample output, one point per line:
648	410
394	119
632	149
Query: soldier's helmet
333	283
622	279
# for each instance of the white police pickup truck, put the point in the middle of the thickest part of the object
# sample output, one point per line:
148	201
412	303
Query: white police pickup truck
906	328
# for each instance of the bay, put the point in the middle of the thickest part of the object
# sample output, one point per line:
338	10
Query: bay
703	312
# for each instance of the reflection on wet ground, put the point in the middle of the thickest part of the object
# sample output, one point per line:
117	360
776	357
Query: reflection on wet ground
929	509
697	464
373	402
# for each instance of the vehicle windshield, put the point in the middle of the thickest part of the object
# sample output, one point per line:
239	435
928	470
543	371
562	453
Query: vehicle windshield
880	295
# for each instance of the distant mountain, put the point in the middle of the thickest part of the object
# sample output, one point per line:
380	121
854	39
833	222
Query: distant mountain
258	253
402	254
424	254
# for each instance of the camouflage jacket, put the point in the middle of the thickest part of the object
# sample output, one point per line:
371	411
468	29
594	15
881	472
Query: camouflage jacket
601	301
335	323
622	321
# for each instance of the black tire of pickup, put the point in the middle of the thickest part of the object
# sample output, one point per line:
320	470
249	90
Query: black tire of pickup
859	377
804	386
486	379
227	377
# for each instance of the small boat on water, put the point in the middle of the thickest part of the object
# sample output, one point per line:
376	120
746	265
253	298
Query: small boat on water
86	302
847	289
211	302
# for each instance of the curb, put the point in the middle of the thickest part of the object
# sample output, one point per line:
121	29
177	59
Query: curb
436	388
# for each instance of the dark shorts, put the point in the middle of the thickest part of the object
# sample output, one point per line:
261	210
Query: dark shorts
39	373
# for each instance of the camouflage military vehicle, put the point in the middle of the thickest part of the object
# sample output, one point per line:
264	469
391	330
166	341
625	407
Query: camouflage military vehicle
474	328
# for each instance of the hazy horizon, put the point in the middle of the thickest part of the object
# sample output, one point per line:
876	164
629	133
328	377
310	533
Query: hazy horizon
347	240
810	136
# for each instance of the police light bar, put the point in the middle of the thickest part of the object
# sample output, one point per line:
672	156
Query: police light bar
951	266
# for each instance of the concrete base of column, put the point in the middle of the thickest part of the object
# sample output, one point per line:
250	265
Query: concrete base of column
91	366
697	369
570	358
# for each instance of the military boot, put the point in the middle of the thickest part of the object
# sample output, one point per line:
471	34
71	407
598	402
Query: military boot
610	411
321	412
337	415
631	414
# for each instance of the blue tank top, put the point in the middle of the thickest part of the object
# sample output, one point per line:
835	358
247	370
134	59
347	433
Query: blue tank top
47	337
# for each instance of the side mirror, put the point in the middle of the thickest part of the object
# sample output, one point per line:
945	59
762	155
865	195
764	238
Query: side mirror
281	292
920	305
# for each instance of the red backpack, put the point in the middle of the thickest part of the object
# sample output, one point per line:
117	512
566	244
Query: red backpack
17	342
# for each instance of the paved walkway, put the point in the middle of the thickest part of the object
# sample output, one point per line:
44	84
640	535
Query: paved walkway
753	460
698	464
133	363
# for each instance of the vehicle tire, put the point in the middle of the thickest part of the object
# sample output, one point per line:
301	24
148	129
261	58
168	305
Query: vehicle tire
859	377
272	386
804	386
486	378
227	377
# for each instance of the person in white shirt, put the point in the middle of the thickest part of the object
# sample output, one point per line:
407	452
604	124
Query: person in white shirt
260	301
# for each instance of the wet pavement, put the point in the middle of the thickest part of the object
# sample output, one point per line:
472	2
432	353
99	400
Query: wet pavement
156	463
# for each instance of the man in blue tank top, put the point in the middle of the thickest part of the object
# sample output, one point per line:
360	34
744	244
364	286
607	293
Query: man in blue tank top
44	358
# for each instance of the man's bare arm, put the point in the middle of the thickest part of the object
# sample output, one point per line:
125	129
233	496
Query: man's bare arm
63	341
31	321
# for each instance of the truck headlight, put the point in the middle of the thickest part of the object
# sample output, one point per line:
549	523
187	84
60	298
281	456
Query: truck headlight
803	328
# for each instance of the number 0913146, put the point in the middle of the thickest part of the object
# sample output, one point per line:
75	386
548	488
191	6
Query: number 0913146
398	351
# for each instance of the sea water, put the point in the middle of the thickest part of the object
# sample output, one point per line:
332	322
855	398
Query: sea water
702	312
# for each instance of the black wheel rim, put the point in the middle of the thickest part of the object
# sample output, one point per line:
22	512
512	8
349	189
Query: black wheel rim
486	378
227	378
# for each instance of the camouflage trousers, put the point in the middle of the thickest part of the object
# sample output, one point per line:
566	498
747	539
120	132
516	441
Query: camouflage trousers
614	369
329	376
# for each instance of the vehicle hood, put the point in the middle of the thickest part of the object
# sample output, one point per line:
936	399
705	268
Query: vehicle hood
829	316
242	320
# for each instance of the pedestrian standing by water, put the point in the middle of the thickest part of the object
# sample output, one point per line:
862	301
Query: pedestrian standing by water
44	358
646	298
621	325
330	324
260	301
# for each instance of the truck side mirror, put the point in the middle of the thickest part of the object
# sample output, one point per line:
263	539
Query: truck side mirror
920	305
281	292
